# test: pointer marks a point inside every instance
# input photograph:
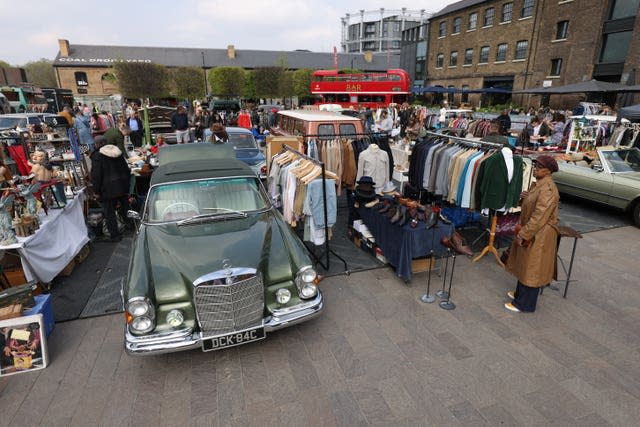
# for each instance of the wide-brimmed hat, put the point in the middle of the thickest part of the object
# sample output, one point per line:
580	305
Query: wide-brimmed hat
546	162
389	187
366	180
365	195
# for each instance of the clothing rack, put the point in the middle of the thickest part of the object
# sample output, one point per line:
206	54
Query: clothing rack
333	135
471	142
327	248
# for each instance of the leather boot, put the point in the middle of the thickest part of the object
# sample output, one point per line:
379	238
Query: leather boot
391	212
395	218
459	245
385	208
405	218
431	219
372	203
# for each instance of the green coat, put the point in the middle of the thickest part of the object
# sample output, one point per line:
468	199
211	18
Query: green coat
493	188
535	266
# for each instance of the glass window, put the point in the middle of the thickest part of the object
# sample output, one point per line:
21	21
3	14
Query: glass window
527	8
488	16
562	30
465	96
182	200
507	9
396	26
556	67
453	59
623	160
484	55
468	57
615	46
440	60
347	129
521	49
442	29
81	78
501	53
457	24
473	20
624	8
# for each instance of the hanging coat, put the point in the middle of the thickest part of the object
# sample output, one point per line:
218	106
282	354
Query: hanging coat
535	265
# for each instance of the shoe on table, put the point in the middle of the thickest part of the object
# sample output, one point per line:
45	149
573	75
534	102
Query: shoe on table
509	306
511	295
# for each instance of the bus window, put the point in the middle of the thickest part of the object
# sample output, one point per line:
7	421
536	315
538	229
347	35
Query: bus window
347	129
379	98
298	127
326	131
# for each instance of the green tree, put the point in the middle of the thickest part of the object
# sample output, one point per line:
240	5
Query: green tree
268	81
41	73
287	88
188	82
302	82
250	86
4	64
142	80
227	81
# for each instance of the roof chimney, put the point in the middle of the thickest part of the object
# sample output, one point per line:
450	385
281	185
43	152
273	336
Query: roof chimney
64	47
231	52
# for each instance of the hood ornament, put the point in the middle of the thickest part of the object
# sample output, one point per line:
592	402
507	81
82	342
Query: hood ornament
226	266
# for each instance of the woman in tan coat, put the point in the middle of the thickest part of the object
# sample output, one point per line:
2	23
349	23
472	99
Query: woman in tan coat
532	258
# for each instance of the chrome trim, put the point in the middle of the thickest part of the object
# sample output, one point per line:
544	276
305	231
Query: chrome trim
184	339
220	274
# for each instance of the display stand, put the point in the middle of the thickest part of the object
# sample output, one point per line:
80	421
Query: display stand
490	245
571	233
327	249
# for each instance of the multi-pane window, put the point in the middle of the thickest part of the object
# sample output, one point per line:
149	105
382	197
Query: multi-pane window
615	46
527	8
556	67
507	10
473	20
442	29
562	30
465	94
521	49
440	60
453	59
457	25
484	55
468	57
624	9
501	53
488	16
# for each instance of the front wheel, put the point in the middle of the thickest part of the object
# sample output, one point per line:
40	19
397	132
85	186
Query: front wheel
635	214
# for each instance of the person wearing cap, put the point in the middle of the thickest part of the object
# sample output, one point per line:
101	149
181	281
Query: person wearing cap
532	257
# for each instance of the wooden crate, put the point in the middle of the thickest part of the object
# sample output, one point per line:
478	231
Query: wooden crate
68	269
15	276
9	312
83	254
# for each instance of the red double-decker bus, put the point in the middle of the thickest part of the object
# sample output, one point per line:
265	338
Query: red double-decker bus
361	89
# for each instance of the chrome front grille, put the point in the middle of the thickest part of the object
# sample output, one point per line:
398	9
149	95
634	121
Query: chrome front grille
229	302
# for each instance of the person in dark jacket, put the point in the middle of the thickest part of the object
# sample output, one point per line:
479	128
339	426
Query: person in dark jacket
137	128
505	122
180	125
110	176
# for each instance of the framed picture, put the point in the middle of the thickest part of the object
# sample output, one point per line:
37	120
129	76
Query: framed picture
23	344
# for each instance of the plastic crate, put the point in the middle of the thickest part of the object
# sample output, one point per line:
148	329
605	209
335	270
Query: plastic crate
43	305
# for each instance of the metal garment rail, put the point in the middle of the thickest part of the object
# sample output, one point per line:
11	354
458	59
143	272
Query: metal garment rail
327	248
468	141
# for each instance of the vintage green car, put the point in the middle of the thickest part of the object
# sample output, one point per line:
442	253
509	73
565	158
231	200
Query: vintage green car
213	263
612	179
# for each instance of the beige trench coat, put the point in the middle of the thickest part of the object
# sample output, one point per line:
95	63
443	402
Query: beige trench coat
535	266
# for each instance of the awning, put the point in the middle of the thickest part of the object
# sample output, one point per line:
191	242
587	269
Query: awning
591	86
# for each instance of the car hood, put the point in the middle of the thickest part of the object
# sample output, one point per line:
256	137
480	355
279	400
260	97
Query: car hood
176	256
251	156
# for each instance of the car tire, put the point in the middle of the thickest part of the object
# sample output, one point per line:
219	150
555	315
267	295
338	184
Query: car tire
636	213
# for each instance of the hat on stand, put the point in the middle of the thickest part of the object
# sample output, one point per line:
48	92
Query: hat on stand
389	188
365	191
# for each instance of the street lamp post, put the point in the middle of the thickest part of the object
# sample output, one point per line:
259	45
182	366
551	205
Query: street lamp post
204	73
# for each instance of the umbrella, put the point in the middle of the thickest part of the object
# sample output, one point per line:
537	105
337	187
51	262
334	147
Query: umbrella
434	89
487	90
635	88
631	113
591	86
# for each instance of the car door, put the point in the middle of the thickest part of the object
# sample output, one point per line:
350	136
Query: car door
584	182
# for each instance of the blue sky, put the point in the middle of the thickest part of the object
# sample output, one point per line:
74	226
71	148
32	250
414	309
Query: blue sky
30	28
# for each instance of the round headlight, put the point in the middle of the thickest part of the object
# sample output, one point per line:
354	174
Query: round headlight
138	307
308	290
283	296
308	274
141	324
175	318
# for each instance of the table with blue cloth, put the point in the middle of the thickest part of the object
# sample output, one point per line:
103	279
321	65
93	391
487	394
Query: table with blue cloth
400	245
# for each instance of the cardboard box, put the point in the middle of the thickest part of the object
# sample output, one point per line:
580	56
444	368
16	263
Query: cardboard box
43	305
15	276
423	264
11	311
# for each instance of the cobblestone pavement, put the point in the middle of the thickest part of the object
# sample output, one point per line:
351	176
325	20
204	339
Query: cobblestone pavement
377	356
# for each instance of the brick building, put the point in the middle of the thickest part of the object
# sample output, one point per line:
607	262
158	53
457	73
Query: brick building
523	44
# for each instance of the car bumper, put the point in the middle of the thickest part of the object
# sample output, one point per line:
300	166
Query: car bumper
185	339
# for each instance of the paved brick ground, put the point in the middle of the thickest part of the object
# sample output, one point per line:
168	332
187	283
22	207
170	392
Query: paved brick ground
377	356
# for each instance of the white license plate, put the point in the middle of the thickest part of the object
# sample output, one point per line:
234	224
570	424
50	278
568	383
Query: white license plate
233	339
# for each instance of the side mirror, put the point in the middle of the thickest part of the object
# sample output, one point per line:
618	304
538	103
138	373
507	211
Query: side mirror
598	168
133	215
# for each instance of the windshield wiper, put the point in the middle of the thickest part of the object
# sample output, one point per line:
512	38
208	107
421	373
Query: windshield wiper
222	212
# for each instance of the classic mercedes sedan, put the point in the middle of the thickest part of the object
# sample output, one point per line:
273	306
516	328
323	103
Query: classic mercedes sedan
213	264
613	179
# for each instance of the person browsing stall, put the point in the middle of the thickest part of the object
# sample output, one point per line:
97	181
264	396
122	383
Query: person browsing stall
532	257
180	125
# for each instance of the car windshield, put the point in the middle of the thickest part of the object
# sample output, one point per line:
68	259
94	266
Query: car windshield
11	122
181	200
623	160
242	140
